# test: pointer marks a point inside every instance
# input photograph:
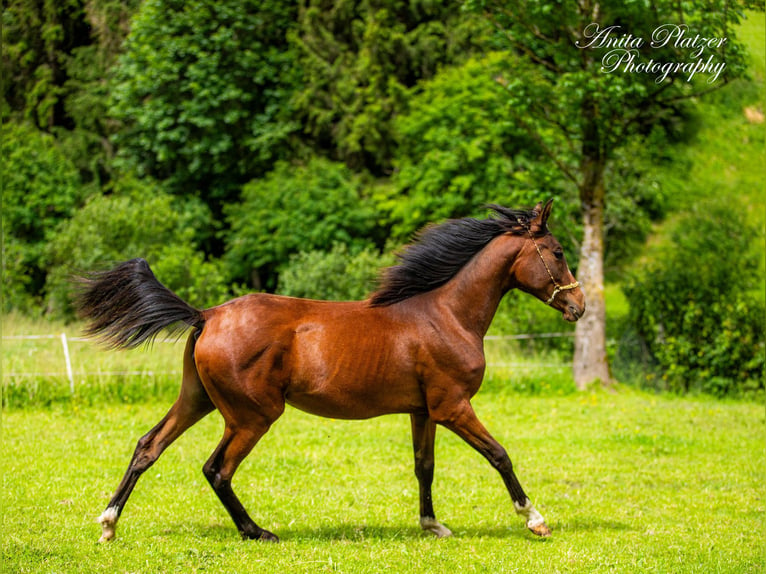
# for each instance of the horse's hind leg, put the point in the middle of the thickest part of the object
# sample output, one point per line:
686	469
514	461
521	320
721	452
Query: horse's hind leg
423	435
236	444
192	404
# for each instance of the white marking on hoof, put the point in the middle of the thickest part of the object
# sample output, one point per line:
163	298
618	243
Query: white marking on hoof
432	525
529	512
108	522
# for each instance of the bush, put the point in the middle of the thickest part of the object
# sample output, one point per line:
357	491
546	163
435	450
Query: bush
136	220
292	209
696	305
337	275
41	188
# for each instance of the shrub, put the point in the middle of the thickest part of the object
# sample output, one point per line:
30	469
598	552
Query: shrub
136	220
292	209
41	188
337	275
695	305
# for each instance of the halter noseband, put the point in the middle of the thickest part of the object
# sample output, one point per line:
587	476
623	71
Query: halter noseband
556	287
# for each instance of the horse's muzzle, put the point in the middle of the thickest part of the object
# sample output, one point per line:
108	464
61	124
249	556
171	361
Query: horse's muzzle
573	312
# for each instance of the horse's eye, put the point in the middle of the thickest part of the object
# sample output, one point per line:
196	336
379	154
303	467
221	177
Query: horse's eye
558	254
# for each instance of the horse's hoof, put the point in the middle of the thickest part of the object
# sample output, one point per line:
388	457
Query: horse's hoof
435	527
108	522
267	536
541	530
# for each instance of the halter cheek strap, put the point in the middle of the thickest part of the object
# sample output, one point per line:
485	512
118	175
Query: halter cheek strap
556	287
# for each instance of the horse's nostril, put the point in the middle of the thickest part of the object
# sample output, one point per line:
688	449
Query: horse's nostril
574	311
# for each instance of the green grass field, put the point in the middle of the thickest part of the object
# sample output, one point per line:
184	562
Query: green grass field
629	482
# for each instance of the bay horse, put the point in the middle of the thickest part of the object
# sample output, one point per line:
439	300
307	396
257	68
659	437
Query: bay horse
414	347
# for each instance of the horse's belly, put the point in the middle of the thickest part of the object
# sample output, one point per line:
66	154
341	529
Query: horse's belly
353	401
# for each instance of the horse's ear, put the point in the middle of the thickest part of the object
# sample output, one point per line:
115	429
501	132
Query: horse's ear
541	213
546	211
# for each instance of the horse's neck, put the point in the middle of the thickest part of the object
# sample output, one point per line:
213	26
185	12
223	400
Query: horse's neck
474	294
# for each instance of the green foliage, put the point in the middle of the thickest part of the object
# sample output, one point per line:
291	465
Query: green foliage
86	128
359	59
56	57
56	60
136	220
579	115
202	90
292	209
697	304
210	95
637	197
36	37
335	275
41	189
459	149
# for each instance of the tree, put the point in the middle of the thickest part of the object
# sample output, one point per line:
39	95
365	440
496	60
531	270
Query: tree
87	127
584	78
56	57
203	92
36	38
457	150
359	58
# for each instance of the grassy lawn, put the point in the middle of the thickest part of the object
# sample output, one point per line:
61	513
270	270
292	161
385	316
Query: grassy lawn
629	482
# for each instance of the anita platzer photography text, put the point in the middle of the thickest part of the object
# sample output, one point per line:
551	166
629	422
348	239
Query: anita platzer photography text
626	52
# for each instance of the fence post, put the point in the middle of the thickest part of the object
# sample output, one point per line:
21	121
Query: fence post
69	374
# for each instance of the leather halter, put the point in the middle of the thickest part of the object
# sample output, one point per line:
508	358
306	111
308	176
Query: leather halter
556	287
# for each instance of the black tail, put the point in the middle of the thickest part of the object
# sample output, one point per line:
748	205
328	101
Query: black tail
128	306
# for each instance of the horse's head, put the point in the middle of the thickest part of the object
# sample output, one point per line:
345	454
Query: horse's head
541	269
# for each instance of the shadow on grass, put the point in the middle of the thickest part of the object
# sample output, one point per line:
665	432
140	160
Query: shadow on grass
354	532
584	524
348	532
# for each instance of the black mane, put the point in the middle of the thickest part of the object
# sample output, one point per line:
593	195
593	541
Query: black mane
440	251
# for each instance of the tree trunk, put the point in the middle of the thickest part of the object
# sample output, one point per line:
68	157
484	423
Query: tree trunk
590	362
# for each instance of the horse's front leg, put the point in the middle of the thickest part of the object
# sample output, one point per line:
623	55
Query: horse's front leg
464	422
423	435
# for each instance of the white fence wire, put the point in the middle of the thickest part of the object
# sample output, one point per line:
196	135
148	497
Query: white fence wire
70	374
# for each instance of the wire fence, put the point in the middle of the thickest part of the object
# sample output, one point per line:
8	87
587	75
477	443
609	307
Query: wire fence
66	357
